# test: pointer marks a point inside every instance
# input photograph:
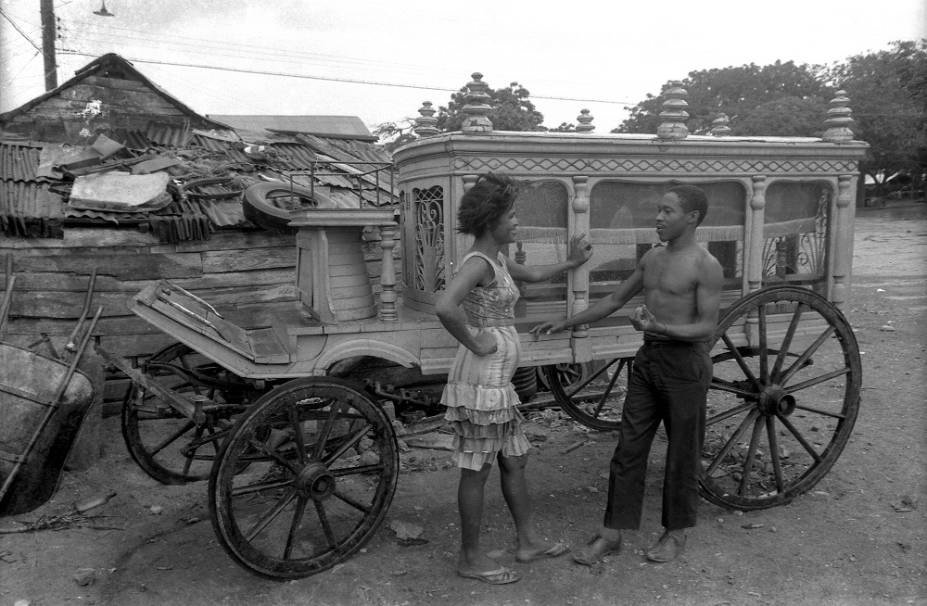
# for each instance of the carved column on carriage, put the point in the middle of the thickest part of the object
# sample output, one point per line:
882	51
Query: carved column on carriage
477	108
387	310
585	122
578	279
839	119
842	228
674	115
756	224
720	126
425	123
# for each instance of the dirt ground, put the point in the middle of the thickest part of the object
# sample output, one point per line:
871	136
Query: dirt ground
859	537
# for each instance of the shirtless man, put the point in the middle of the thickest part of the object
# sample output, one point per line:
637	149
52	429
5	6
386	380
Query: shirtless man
681	282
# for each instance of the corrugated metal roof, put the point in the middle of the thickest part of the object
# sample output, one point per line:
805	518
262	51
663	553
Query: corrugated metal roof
339	126
19	161
30	210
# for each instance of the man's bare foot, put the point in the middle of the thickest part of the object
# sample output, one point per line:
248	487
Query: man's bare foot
597	549
668	547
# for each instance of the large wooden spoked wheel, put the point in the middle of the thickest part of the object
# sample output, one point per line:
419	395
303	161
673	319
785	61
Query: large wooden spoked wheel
167	445
320	463
783	398
592	394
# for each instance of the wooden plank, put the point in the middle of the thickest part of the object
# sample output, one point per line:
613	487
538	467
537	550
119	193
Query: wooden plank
354	303
355	279
257	258
344	294
70	282
352	260
77	237
124	266
230	240
118	83
62	327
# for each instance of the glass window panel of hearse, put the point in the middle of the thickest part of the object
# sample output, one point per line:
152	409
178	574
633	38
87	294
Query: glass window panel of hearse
542	211
622	219
795	233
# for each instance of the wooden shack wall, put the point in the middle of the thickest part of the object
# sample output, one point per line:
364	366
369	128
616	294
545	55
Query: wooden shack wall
123	104
246	275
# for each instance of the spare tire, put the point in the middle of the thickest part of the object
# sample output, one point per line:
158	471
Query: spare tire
269	205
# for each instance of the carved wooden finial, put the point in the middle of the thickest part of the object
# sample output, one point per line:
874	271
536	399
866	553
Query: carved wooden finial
585	122
425	123
720	125
674	114
477	108
838	119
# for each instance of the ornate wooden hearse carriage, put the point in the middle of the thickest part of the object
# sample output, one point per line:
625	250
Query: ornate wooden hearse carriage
288	426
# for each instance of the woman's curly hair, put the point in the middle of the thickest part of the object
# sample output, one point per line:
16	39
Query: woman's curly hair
491	197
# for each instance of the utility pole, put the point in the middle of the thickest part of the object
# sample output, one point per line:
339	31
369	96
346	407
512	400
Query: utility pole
48	44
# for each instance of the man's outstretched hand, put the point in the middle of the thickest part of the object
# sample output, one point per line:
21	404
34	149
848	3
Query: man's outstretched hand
545	328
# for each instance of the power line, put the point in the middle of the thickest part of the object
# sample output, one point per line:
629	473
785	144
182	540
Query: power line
330	79
21	32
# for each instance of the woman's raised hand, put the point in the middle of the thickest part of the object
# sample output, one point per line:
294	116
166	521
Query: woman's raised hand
580	250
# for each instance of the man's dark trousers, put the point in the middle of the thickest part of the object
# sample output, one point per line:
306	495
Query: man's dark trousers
669	382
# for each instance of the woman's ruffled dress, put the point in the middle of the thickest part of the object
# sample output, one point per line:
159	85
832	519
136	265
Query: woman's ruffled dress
480	398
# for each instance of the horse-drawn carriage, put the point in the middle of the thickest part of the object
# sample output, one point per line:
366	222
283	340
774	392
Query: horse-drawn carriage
287	422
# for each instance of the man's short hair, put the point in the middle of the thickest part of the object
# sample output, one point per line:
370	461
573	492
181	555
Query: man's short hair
691	198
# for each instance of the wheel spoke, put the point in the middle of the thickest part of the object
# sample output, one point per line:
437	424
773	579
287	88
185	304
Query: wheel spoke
608	390
801	439
730	387
172	438
591	378
817	380
787	342
726	449
806	355
352	502
774	452
189	459
270	515
297	429
252	488
326	525
764	355
751	453
826	413
353	471
298	512
273	455
740	360
728	413
326	430
348	444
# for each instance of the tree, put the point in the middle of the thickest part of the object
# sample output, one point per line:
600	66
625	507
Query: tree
888	96
393	134
512	109
565	127
743	94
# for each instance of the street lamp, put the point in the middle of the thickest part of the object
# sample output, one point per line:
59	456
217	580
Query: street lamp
102	12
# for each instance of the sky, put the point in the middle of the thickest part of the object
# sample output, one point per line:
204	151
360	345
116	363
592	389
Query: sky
380	60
